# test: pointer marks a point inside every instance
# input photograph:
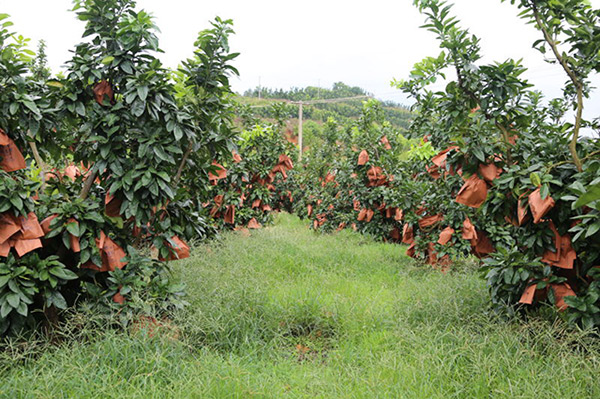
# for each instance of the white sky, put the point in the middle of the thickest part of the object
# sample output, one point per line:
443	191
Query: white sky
294	44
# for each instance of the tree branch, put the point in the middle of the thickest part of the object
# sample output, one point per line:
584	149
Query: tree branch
182	165
505	135
576	82
87	186
37	157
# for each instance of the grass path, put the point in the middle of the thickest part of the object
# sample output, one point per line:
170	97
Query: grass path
286	313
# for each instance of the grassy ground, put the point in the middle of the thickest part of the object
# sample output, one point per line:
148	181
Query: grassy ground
286	313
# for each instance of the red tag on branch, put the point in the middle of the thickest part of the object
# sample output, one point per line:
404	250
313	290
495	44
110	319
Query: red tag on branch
102	89
446	235
111	254
46	223
561	291
430	220
8	227
565	255
539	207
23	246
4	139
399	215
178	251
30	227
4	249
482	246
473	193
253	224
528	294
362	215
112	206
363	157
521	211
73	240
489	172
386	143
468	230
286	162
221	173
11	158
408	234
440	159
230	214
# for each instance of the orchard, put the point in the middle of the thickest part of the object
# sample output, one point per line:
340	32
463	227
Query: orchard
497	173
119	166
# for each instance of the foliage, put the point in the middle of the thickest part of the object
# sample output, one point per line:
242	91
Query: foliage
508	272
116	162
249	188
525	158
498	173
28	280
334	186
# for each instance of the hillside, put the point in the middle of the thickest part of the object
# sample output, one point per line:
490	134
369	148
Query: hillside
261	99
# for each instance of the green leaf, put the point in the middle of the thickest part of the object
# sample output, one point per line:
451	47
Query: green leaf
137	108
142	92
107	60
4	279
95	216
80	108
117	168
5	309
593	229
160	153
55	298
22	309
13	299
73	228
32	107
14	287
63	273
118	221
178	133
130	97
535	179
544	191
17	202
591	195
164	175
126	67
478	152
55	83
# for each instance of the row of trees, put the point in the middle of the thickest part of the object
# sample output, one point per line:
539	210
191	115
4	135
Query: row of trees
105	170
499	173
108	171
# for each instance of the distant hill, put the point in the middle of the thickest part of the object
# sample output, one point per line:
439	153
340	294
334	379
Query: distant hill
259	99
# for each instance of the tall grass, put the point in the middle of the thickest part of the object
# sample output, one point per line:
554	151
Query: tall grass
287	313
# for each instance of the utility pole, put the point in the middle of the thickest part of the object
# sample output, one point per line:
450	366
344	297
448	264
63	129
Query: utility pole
300	130
300	103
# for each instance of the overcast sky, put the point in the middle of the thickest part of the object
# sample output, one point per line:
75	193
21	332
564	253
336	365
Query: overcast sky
287	44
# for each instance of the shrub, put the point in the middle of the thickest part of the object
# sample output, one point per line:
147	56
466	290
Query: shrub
117	160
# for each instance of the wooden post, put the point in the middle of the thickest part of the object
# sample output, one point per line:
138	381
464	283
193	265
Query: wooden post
300	130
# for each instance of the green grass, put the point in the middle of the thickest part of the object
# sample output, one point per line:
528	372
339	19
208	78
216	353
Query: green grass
287	313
